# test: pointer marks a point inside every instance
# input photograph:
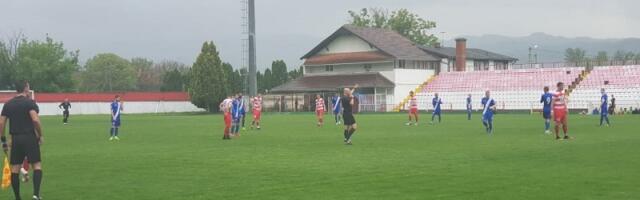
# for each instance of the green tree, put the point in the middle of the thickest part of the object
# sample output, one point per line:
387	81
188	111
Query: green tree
279	73
575	55
207	85
402	21
296	73
174	75
173	81
47	65
602	57
6	68
619	55
235	82
108	72
148	77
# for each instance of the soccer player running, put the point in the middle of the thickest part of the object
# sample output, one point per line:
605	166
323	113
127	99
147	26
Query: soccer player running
560	111
488	107
116	111
436	102
257	111
604	105
350	125
469	107
65	113
225	107
335	101
26	137
545	99
320	110
413	109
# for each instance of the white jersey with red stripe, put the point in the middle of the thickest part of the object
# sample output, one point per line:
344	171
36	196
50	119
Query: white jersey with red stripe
257	103
559	100
225	106
413	103
320	104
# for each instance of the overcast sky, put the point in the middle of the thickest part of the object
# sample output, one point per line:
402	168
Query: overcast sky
286	29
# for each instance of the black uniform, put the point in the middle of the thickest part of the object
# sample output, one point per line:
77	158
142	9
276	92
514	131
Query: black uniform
347	111
65	113
24	141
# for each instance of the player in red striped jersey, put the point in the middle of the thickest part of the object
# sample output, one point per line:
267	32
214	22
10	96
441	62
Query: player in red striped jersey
257	111
413	109
560	111
320	109
225	107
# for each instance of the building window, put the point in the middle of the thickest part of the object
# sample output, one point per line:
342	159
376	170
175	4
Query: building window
501	65
367	67
401	64
328	68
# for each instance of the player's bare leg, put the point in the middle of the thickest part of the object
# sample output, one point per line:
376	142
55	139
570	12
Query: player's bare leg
565	128
351	130
25	170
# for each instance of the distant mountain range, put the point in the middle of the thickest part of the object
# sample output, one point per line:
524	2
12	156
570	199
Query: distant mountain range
549	48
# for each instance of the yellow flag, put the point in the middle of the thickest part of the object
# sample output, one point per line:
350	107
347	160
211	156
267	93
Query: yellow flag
6	174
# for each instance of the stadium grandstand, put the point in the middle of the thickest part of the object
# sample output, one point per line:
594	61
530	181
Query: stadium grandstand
520	89
623	82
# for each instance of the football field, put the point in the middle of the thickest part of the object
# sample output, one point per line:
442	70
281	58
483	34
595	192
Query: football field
182	156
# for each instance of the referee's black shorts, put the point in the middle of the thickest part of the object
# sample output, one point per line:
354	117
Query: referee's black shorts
24	145
348	119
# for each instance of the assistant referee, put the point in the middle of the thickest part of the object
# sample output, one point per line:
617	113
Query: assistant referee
26	136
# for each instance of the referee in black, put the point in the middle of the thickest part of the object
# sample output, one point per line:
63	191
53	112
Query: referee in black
26	137
350	125
65	113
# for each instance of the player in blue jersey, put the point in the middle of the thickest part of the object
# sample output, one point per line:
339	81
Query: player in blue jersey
116	111
604	106
437	111
335	101
469	107
488	107
236	114
546	99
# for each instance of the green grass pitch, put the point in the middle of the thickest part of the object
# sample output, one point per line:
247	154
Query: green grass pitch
182	156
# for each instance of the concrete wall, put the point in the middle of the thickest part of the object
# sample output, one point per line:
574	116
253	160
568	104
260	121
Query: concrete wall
347	44
84	108
406	80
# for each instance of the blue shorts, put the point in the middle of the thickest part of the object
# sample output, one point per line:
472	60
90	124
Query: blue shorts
487	117
115	123
436	112
546	114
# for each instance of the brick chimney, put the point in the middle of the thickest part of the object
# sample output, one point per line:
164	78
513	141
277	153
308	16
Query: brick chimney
461	54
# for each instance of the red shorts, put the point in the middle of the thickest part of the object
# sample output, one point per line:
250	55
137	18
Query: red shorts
256	114
413	111
559	115
227	119
320	113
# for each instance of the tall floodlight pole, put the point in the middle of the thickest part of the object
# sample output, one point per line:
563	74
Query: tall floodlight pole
253	85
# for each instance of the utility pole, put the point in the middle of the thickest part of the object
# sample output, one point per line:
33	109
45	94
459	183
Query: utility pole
253	85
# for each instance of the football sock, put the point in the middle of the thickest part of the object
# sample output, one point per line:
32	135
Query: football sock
116	132
37	179
565	129
350	133
111	132
547	125
15	184
607	118
601	119
346	132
